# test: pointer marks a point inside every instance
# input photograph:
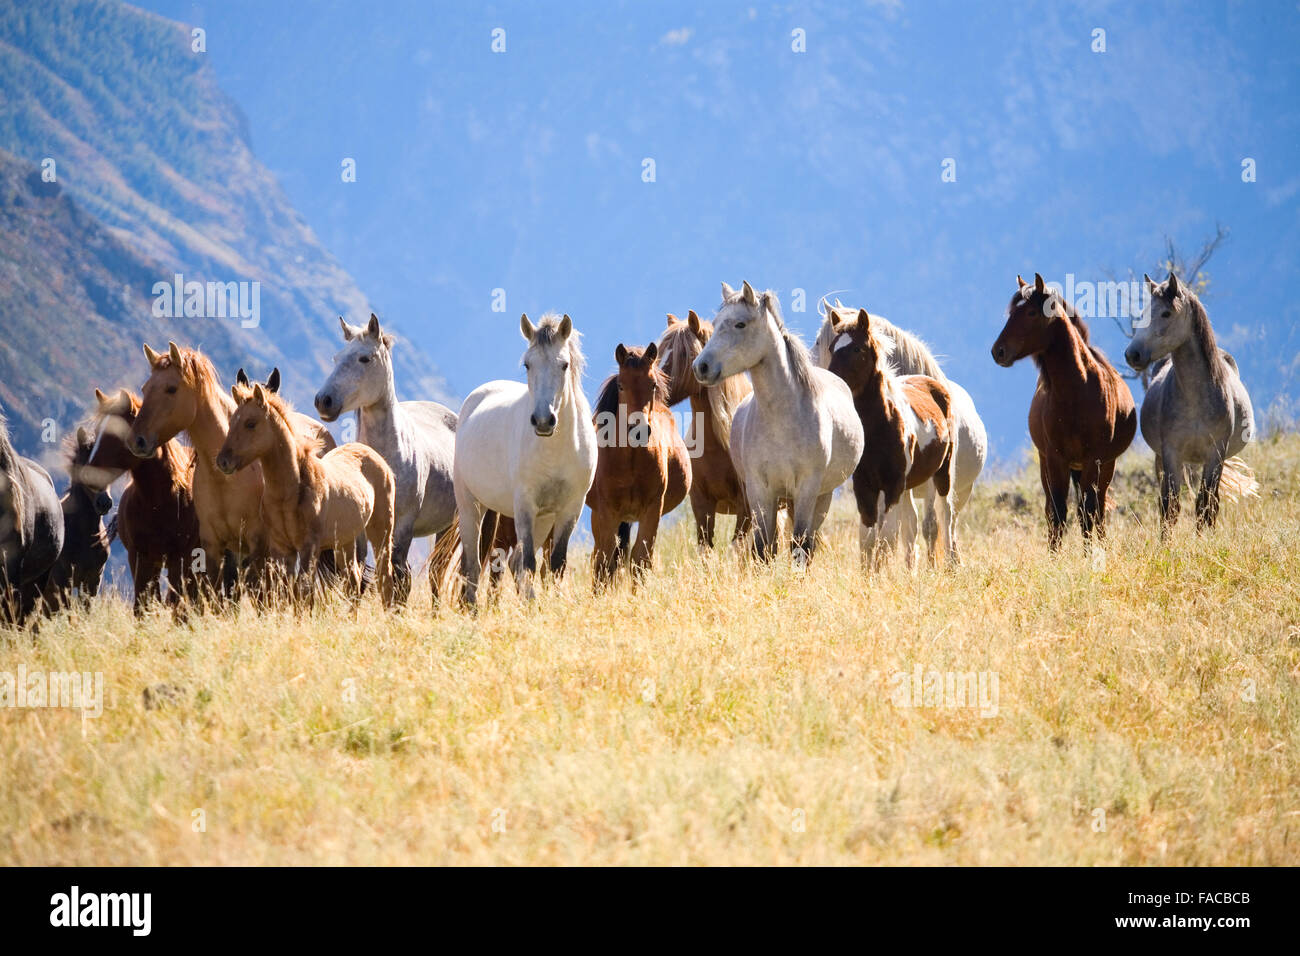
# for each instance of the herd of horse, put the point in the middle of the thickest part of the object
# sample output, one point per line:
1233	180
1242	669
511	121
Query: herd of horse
258	497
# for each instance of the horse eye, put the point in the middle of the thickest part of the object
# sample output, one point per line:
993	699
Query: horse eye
365	360
527	367
564	366
740	325
171	389
1164	314
250	425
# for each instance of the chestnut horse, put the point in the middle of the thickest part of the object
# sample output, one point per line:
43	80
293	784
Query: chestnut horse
312	504
911	438
156	519
642	468
715	487
183	393
1082	416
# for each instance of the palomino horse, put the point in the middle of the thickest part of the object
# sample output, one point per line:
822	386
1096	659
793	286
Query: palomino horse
527	452
80	567
715	487
797	436
643	470
417	439
1196	410
911	437
312	504
1081	418
31	530
183	393
911	356
156	519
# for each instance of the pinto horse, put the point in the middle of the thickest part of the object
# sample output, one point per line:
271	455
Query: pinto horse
156	520
911	438
1196	410
643	470
797	436
715	487
183	393
31	530
1082	415
312	504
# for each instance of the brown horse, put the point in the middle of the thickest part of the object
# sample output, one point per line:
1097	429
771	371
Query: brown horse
642	468
80	568
312	504
156	520
1082	416
715	486
910	437
183	393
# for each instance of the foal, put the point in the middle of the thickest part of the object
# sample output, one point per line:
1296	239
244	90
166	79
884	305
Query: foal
911	437
715	487
313	504
643	470
1197	409
1082	416
156	520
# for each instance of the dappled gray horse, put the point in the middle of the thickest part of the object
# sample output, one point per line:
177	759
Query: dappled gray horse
416	439
31	530
1196	410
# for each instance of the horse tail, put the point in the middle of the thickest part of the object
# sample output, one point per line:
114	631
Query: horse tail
1238	480
444	560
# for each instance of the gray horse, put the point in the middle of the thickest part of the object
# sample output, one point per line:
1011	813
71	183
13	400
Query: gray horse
416	439
31	530
1196	410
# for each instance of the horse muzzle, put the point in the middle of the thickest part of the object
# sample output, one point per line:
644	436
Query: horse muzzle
1137	358
227	463
1003	355
327	407
141	447
543	425
706	373
103	503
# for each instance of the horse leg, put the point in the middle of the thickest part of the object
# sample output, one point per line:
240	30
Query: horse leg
705	515
524	528
1105	472
604	552
470	516
1085	486
803	513
1055	476
764	516
402	536
1207	500
145	573
560	534
647	530
1171	486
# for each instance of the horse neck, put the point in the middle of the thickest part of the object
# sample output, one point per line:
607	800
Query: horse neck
1192	367
1066	360
284	467
773	377
381	422
873	402
211	424
571	415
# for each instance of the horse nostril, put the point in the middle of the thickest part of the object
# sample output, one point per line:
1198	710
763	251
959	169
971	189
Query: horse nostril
324	401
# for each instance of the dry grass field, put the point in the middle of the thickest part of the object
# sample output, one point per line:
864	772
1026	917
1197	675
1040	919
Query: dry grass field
1145	711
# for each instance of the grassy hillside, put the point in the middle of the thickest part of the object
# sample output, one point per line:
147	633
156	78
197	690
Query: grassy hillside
721	714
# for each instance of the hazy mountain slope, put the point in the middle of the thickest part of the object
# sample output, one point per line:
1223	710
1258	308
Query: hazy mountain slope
148	145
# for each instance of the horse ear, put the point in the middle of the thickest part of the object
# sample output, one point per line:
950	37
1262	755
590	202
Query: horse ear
651	351
273	381
151	356
526	328
241	377
566	328
83	436
834	316
747	291
1020	282
1039	284
1151	284
727	292
350	332
864	320
100	398
1172	289
620	353
235	393
389	341
693	320
259	394
372	327
671	319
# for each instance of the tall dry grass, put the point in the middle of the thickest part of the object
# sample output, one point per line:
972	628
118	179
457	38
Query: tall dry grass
720	714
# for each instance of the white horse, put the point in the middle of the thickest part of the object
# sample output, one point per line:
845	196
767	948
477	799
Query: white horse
527	452
911	356
416	439
796	437
1196	410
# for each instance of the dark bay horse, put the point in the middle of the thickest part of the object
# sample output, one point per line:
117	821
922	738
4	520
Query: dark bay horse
31	530
643	470
80	568
715	487
156	520
1082	416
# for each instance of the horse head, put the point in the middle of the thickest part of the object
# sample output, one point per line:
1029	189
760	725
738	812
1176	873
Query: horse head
1166	323
744	331
857	355
552	361
363	371
251	435
1033	309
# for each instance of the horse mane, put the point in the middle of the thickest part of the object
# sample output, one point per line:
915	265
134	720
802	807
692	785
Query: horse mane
1075	320
607	397
801	363
179	459
678	349
548	333
305	446
198	373
910	354
9	467
1204	335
